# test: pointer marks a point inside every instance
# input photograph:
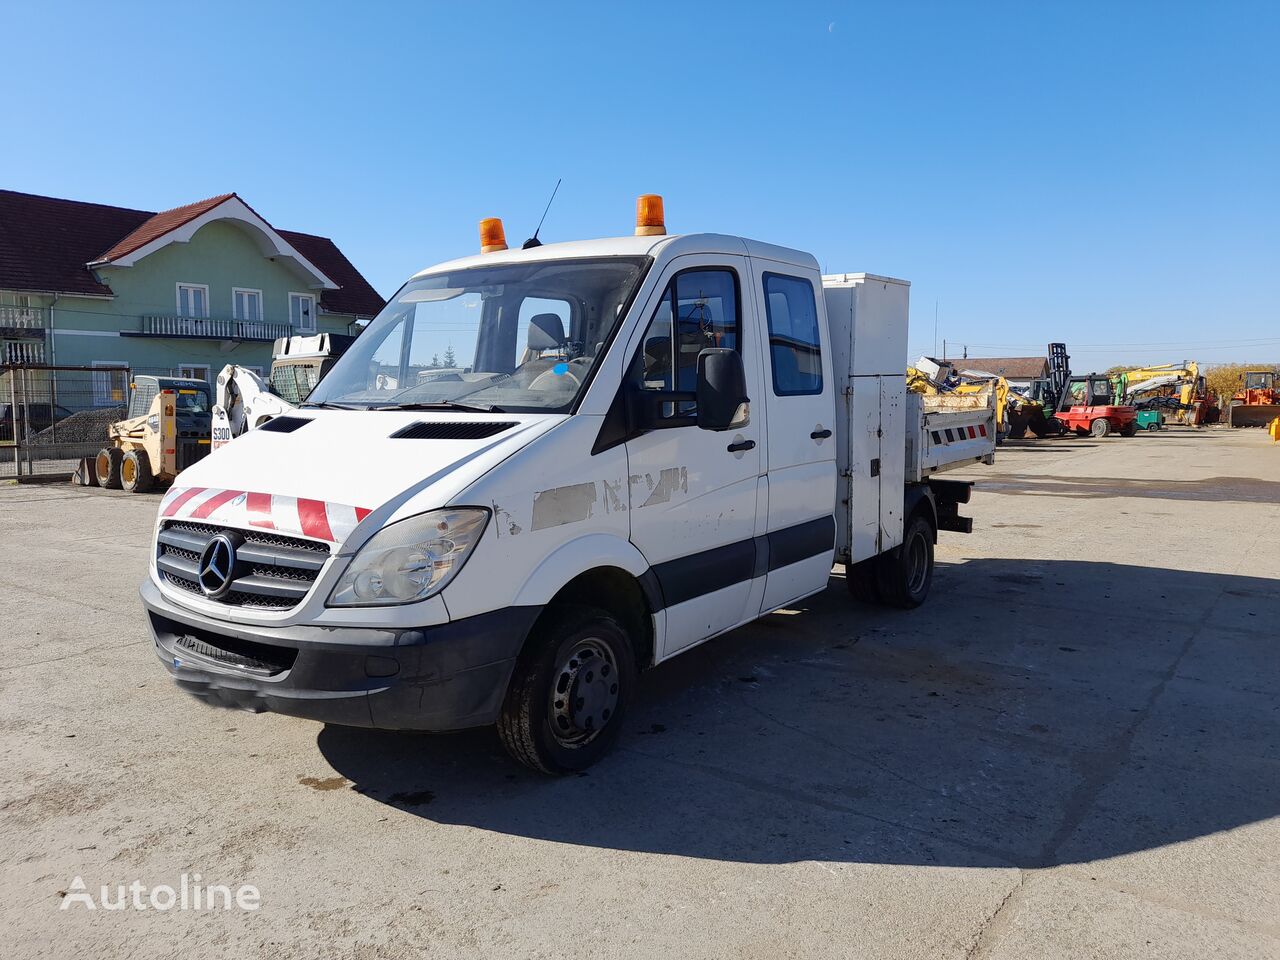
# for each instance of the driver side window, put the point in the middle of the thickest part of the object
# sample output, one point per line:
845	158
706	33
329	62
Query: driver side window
698	310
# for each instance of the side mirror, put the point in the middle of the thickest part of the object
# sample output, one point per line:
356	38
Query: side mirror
722	389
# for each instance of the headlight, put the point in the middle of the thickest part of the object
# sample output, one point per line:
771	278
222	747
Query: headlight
410	560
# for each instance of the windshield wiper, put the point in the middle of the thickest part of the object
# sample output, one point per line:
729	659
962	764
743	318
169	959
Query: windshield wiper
441	405
330	405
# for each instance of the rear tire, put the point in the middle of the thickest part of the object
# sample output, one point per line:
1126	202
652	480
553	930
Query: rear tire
860	581
1129	430
107	466
904	574
135	472
569	691
1100	427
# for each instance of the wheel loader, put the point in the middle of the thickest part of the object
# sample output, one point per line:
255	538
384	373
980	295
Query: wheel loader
166	431
1258	403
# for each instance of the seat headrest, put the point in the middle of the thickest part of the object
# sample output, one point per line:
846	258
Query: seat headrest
546	331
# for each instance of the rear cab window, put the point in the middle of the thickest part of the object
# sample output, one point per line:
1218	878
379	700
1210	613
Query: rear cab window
795	353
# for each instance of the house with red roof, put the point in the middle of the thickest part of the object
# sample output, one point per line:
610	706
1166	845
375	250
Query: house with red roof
185	291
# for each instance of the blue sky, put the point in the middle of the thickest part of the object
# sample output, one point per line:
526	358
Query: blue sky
1100	173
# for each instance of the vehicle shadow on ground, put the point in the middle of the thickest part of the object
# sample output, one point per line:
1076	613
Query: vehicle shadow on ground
1208	489
1031	713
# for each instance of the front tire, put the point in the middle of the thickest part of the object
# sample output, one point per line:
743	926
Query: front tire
135	472
1100	427
905	573
107	466
569	692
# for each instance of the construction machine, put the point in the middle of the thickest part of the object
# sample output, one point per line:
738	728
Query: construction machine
167	430
1177	390
245	400
1258	403
1086	405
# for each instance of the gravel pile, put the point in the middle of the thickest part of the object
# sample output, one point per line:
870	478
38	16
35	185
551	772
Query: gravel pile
87	426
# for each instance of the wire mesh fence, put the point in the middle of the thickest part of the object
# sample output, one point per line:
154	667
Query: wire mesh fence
51	416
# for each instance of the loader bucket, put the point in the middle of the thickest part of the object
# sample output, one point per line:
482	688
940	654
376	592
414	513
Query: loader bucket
1252	415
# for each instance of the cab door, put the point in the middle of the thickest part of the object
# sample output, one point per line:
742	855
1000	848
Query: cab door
799	534
693	491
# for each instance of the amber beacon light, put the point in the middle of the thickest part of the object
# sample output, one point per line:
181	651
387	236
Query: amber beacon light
650	221
492	237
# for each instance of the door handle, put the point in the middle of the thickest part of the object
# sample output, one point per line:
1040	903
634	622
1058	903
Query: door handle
820	434
741	446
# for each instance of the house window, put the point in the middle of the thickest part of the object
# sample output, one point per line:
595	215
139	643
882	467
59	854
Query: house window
302	312
193	300
109	384
246	304
193	371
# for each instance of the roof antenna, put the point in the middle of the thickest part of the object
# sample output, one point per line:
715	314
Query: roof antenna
534	241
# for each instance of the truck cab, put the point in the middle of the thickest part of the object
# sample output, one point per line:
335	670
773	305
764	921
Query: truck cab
541	471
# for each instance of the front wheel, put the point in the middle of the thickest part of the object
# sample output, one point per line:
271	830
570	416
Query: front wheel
569	691
904	574
1100	427
107	466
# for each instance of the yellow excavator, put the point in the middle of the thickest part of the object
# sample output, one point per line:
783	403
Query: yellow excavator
1183	383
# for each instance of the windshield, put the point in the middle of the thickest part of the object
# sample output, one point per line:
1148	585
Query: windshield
192	401
515	337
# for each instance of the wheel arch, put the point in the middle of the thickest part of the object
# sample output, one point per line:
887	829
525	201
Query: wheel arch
601	571
920	499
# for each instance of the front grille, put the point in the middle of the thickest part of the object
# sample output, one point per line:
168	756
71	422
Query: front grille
271	571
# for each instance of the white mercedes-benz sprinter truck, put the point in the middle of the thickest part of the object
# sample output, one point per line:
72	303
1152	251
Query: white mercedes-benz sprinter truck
539	471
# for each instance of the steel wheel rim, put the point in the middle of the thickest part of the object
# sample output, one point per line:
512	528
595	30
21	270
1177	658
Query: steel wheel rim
128	471
584	694
917	564
103	465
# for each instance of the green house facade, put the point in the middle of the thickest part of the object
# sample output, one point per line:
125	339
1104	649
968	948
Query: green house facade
184	291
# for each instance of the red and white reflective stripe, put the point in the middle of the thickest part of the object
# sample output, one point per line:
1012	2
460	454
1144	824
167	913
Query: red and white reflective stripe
297	516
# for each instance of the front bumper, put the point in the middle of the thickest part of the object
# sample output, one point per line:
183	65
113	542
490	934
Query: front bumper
443	677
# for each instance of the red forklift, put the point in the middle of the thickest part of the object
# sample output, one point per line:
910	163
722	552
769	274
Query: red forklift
1086	405
1079	406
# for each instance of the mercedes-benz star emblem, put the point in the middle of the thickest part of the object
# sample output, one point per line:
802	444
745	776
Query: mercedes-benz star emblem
217	566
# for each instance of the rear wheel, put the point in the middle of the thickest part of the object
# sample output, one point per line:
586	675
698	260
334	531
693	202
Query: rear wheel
569	691
904	574
1100	427
1156	425
135	472
1128	430
107	466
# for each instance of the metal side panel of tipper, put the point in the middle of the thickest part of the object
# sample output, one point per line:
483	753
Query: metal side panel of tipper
952	432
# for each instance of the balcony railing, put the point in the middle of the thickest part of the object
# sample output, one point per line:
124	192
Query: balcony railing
23	318
208	329
22	351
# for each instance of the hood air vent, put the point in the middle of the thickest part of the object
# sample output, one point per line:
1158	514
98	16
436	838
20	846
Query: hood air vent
284	424
451	430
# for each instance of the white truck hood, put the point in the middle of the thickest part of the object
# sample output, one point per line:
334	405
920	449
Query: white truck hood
322	479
